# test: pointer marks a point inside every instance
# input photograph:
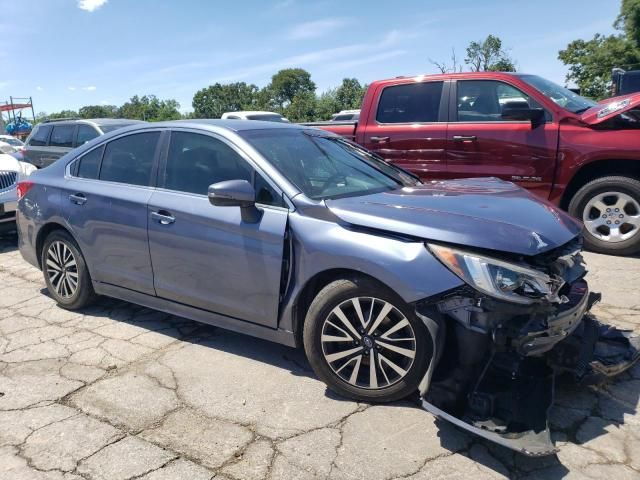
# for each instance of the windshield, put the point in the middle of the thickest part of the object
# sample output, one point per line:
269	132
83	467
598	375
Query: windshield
560	95
12	141
325	167
111	128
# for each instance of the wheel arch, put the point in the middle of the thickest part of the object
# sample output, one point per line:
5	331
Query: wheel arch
313	286
44	232
597	169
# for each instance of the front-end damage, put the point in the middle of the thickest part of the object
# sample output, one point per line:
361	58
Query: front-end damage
496	362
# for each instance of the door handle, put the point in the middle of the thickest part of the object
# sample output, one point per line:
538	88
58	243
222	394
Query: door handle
163	217
78	198
465	138
379	139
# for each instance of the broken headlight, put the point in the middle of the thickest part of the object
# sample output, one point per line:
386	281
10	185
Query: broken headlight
497	278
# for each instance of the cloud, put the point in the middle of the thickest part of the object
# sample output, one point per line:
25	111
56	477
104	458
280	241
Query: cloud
72	89
90	88
315	29
90	5
40	89
4	84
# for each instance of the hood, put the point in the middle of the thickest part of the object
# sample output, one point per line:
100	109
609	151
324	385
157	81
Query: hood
609	108
483	213
9	163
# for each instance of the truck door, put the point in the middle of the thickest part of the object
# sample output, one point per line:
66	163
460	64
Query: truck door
409	126
480	143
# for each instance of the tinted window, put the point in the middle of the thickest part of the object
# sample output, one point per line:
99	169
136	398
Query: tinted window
62	136
411	103
483	100
40	136
196	161
130	159
89	164
86	133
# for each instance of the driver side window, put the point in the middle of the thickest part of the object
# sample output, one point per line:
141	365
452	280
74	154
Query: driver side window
195	161
483	100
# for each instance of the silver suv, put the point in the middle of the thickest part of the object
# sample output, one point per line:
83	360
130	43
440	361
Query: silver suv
51	139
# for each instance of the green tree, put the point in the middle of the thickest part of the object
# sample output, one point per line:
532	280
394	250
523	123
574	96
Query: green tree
303	107
327	104
488	56
349	94
288	83
590	61
98	111
213	101
52	116
150	108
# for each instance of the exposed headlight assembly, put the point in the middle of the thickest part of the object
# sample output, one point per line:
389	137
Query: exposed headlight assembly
497	278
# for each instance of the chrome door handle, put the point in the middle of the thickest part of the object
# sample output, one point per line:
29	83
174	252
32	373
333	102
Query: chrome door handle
379	139
78	198
465	138
163	217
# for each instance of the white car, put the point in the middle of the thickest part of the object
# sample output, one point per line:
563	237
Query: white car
11	172
254	115
13	142
346	115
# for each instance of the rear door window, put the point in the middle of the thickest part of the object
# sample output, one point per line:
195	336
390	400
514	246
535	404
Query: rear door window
130	159
410	103
62	136
40	137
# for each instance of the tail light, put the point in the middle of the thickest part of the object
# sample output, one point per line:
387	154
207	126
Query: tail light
23	187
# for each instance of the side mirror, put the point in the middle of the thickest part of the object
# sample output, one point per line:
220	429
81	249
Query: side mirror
236	193
522	111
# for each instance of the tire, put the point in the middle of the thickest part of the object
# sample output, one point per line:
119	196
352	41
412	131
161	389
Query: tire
60	282
387	384
612	192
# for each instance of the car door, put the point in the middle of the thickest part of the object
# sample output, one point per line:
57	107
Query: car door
409	127
36	145
206	256
482	144
106	197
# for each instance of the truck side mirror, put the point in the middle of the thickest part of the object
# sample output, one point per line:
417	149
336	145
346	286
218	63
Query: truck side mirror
522	111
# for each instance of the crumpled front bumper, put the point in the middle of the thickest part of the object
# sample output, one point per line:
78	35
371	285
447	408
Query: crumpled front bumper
499	383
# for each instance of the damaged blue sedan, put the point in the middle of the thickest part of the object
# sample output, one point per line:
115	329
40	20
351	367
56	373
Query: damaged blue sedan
468	295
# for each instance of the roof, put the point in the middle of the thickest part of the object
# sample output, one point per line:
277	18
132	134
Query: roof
235	125
449	76
252	112
94	121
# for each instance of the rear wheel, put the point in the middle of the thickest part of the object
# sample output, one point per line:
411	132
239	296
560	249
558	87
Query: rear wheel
65	271
365	342
610	210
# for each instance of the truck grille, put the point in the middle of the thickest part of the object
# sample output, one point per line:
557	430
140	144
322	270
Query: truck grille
7	179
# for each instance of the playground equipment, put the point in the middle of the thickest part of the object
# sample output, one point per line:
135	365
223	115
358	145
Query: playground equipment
16	124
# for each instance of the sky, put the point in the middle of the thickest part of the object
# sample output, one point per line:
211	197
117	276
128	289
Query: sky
70	53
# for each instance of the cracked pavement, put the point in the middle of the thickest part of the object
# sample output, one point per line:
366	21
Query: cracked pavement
118	391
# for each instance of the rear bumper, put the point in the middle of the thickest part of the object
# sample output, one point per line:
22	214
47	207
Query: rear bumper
499	383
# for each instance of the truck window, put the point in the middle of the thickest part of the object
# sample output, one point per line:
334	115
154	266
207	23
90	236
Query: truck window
40	137
410	103
482	100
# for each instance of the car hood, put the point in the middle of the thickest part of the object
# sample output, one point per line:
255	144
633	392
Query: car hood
483	213
609	108
9	163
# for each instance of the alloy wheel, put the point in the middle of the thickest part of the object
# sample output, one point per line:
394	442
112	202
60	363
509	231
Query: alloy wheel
62	269
368	343
612	217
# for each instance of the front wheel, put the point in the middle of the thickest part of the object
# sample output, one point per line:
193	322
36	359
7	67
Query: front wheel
610	210
365	342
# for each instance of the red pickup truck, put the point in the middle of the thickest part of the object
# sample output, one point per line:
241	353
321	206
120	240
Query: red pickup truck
578	154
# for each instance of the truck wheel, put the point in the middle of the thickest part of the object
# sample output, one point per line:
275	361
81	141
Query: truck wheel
365	342
610	210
